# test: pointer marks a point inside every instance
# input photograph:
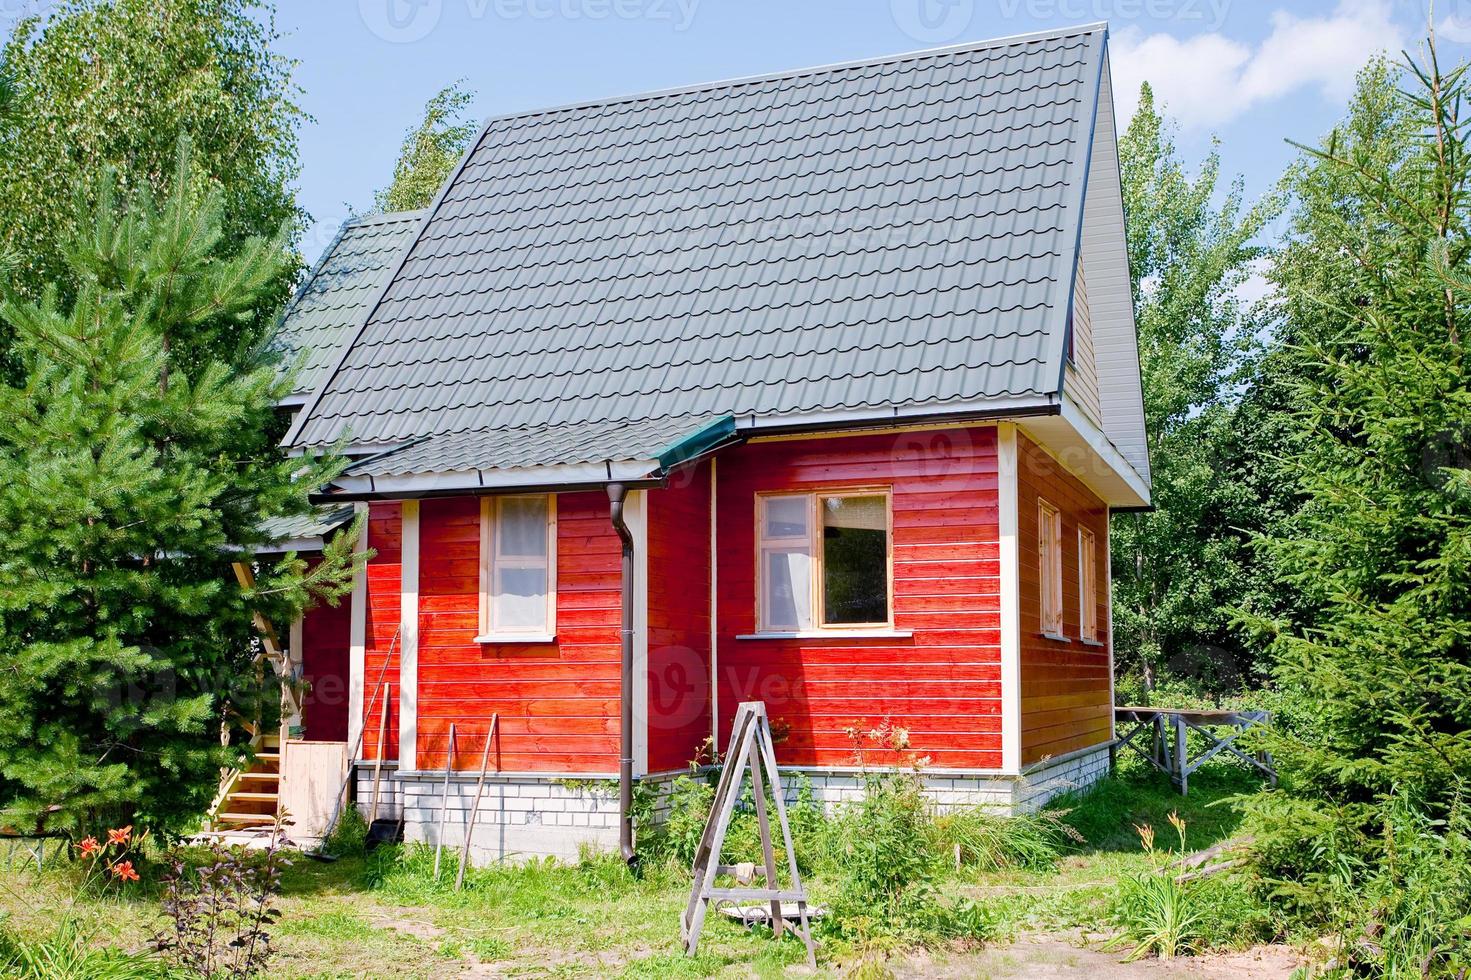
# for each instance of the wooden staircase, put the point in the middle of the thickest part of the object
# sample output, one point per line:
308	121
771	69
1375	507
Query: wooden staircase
248	798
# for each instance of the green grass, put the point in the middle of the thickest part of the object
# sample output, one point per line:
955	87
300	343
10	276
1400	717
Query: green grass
385	916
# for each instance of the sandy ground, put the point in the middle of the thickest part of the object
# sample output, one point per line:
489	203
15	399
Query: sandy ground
1047	956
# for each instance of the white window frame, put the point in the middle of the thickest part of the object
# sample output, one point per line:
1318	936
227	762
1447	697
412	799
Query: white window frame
489	515
816	599
1087	585
1049	568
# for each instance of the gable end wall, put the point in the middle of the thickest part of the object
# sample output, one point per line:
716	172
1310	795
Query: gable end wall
1067	693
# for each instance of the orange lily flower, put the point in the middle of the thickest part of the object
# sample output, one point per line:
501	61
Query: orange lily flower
120	836
123	871
90	846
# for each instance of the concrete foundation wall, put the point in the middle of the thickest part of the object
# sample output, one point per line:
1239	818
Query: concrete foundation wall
528	816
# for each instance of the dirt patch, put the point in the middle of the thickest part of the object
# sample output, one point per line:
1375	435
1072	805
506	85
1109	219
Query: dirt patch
417	928
1045	956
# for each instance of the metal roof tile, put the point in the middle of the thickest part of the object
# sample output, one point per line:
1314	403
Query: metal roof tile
860	236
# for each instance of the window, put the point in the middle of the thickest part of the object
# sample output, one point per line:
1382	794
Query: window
1049	563
1088	585
518	561
823	561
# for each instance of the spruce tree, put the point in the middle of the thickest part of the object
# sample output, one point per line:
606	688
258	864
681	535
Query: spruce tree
138	457
1373	454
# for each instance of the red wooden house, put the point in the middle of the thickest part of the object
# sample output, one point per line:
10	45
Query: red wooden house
815	388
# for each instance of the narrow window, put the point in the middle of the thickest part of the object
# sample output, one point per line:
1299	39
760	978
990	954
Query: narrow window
518	566
1049	561
1088	584
823	561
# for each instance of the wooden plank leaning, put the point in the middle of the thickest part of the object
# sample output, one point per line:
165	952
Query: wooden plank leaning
475	807
449	768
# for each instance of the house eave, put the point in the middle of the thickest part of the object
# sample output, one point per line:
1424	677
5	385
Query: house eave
539	479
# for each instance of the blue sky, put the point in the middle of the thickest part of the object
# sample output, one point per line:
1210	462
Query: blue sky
1248	71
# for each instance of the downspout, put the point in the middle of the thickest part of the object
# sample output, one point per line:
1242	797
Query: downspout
616	492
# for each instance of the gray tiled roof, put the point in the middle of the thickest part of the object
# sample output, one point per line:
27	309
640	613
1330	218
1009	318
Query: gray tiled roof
302	530
900	232
333	300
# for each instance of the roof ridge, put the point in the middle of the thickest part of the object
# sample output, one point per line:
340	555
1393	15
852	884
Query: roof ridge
740	80
382	218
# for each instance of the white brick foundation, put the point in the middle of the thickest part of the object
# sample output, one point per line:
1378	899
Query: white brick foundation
527	816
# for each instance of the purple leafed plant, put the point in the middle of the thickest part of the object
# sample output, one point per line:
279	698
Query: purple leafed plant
220	912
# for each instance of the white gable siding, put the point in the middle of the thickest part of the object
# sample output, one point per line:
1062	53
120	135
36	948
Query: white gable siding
1111	302
1082	373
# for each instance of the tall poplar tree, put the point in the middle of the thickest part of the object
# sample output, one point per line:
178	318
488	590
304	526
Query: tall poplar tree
430	151
1179	569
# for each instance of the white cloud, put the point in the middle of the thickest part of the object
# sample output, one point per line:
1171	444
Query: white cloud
1209	79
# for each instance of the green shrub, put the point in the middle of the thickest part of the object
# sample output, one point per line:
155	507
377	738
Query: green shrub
986	842
1398	904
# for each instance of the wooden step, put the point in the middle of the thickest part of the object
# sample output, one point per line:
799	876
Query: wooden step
245	818
254	797
260	777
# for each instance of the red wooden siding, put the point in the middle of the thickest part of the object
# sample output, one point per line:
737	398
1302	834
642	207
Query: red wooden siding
558	702
942	684
385	588
1065	684
325	637
679	620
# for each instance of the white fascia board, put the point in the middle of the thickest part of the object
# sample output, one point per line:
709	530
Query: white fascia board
575	474
357	641
408	647
1099	442
979	409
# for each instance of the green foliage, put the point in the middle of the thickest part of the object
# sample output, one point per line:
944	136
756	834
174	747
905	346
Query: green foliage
430	151
137	451
987	842
1156	909
114	84
349	835
9	96
1376	675
69	954
1176	570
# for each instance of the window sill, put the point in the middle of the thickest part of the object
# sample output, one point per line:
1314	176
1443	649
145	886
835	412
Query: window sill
1060	638
517	638
878	634
1092	643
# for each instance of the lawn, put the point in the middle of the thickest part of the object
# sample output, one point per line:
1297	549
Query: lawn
383	915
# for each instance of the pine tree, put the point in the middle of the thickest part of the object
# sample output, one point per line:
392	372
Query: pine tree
137	455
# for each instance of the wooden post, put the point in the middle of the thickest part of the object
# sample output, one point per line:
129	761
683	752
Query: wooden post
475	807
768	857
449	766
378	755
1181	773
